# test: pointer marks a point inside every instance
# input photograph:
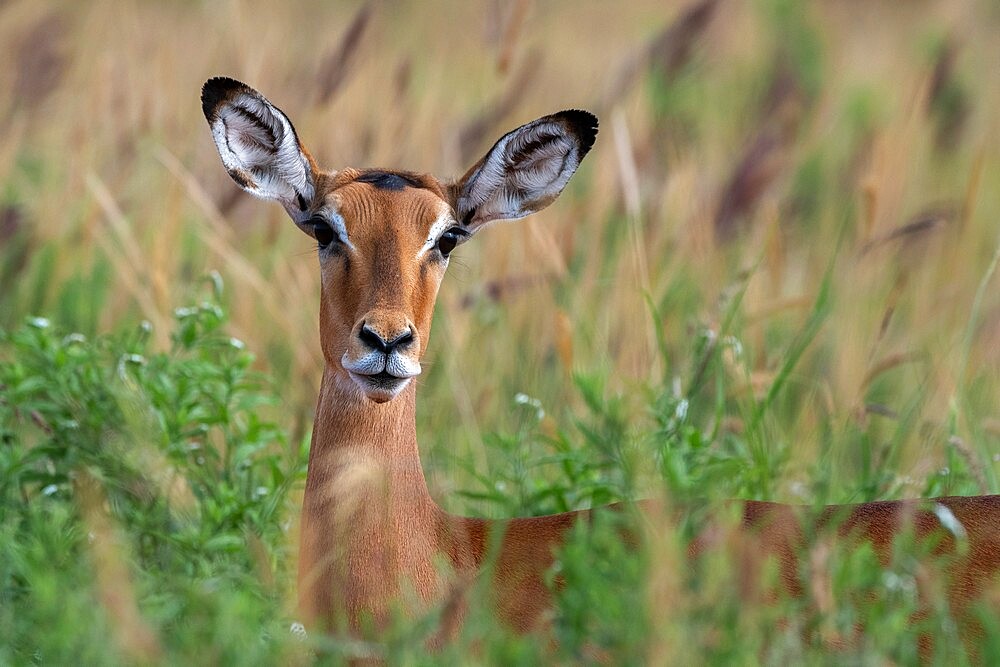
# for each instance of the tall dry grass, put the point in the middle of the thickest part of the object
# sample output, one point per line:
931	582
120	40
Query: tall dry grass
750	146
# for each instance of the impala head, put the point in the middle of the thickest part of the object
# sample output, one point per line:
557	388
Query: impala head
384	237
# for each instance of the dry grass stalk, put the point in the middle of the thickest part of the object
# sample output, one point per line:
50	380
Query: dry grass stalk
11	227
775	258
667	52
628	170
564	340
474	132
672	48
160	478
946	101
930	220
13	133
128	260
876	409
338	64
629	174
892	302
261	560
869	210
403	77
972	460
665	590
513	27
503	289
766	157
40	61
135	639
118	224
887	364
760	165
821	591
972	191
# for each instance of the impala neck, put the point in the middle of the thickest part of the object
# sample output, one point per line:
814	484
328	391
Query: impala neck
369	527
363	447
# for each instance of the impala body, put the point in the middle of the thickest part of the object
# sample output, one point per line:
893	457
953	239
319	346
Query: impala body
371	535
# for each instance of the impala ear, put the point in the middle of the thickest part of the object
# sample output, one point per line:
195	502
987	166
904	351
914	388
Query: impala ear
258	145
525	171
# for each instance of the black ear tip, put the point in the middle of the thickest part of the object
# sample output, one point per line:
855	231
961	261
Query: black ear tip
216	91
583	124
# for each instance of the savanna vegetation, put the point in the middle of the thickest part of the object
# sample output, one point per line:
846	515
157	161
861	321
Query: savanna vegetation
774	277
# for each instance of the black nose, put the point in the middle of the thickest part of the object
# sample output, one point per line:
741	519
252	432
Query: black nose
374	340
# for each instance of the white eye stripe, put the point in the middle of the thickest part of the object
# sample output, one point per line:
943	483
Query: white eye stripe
336	222
438	227
341	228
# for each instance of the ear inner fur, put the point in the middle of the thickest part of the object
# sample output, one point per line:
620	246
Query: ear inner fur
525	170
258	145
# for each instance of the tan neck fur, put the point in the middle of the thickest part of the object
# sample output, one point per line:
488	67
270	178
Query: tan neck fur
369	525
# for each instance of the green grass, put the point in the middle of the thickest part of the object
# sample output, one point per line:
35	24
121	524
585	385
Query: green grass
832	338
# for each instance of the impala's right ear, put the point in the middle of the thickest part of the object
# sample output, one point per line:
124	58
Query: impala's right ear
258	145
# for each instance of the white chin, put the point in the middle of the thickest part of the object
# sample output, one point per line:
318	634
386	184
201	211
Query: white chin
380	388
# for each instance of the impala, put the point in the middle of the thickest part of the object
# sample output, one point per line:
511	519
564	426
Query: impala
370	532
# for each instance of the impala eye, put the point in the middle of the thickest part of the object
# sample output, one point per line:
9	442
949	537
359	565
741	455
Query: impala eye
323	232
451	238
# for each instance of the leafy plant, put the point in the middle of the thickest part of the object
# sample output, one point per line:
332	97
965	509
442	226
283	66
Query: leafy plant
185	465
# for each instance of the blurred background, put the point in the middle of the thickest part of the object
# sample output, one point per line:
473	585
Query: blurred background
739	141
785	236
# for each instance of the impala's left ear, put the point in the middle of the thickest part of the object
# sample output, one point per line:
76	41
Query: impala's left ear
525	171
258	145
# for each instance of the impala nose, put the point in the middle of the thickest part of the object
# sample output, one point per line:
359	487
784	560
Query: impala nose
376	341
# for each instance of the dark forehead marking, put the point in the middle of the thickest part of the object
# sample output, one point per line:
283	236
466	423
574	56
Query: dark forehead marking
388	180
